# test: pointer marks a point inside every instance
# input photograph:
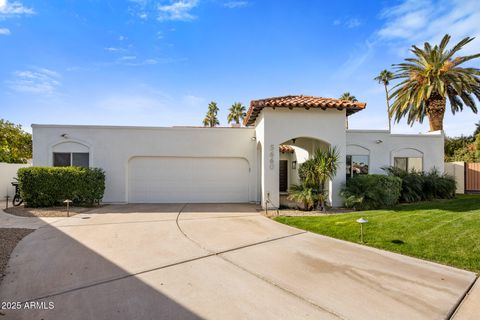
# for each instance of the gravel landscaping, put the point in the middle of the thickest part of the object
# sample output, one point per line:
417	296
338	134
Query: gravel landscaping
46	212
9	237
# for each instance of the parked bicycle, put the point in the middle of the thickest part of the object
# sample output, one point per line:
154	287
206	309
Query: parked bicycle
17	199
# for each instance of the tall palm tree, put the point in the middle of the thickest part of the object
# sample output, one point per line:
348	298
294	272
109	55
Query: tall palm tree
384	77
348	96
431	77
211	119
326	166
237	113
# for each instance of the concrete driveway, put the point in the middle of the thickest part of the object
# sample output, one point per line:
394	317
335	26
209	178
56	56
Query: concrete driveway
216	262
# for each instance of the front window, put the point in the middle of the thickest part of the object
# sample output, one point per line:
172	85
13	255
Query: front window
357	165
408	164
67	159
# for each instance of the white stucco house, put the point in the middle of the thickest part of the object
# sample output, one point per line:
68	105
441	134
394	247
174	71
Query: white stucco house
254	163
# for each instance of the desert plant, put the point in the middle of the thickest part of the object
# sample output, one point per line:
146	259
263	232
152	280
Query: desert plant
372	191
304	194
326	165
431	77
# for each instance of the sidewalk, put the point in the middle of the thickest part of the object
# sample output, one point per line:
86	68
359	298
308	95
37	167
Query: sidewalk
470	307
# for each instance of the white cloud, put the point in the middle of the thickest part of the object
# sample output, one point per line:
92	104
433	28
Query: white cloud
36	81
14	9
235	4
4	32
177	10
415	22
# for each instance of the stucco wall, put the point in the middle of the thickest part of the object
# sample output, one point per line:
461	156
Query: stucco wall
111	148
382	147
281	125
457	170
8	171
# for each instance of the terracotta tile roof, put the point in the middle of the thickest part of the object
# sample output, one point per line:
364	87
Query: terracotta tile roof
283	148
307	102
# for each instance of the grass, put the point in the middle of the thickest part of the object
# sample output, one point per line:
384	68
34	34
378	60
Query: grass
444	231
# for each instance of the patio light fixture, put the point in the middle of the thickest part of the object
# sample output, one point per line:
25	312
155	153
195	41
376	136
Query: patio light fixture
361	221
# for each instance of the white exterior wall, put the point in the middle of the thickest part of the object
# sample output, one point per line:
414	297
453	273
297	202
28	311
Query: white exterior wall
280	125
111	148
8	171
457	170
382	147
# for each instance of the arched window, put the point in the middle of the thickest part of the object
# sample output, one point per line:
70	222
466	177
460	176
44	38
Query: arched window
70	153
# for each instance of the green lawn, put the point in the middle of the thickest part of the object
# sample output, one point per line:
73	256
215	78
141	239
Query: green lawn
444	231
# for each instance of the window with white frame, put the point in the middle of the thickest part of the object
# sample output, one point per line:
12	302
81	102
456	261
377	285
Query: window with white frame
408	163
71	159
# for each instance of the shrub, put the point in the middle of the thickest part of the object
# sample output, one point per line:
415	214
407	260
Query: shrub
438	186
412	184
50	186
373	191
304	194
417	186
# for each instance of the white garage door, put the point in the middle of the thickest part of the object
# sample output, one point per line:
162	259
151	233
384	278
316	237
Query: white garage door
187	180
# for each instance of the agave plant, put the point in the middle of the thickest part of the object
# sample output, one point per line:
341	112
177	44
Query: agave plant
431	77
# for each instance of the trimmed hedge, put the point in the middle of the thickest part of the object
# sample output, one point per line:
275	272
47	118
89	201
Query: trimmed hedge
50	186
371	191
417	186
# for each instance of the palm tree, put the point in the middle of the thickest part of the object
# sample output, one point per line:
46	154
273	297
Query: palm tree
431	77
348	96
211	119
237	113
326	166
384	77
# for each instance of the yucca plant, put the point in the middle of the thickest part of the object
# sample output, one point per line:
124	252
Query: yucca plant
326	164
431	77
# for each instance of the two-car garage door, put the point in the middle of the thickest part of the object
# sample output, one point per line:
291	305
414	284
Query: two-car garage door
184	179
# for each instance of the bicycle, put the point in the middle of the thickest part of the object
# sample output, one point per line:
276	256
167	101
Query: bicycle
17	199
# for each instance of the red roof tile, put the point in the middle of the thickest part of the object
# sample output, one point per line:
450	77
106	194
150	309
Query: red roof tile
307	102
284	148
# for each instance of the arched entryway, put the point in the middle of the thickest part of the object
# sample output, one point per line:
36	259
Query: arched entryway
292	153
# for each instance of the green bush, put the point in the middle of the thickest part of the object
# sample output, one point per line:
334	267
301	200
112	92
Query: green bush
50	186
417	186
372	191
438	186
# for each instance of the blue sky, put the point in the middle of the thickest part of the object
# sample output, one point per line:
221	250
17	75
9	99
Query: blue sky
159	63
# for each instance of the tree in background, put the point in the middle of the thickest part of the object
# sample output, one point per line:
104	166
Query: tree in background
431	77
15	144
463	148
237	113
211	119
384	77
348	96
